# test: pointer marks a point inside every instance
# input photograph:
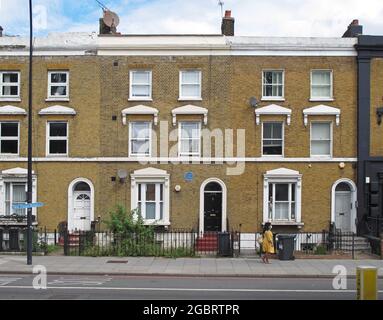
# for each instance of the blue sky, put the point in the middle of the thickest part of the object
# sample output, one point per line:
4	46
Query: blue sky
253	17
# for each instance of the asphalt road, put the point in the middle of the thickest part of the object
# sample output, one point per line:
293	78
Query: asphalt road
173	288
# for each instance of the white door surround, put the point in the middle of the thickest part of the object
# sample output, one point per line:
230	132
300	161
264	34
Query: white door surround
202	203
353	191
74	223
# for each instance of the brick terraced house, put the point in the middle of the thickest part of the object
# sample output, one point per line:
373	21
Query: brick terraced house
210	132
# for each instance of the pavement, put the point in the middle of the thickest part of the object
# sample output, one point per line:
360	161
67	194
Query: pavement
199	267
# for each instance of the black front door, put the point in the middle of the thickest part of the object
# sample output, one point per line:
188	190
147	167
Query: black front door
213	211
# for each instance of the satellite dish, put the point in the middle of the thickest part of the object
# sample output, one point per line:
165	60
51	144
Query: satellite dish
253	102
122	174
111	19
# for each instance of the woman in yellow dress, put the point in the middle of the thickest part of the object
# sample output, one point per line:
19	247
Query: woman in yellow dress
267	243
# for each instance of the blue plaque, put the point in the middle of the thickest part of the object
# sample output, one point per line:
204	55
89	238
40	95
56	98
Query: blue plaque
188	176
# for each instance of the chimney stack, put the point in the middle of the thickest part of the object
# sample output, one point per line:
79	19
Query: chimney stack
104	29
1	31
227	26
353	30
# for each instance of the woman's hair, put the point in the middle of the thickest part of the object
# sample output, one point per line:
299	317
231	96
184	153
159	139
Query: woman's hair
266	227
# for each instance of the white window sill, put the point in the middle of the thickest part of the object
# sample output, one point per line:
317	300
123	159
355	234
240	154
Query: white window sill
156	223
10	99
273	157
327	157
65	99
321	99
286	223
60	155
140	99
10	156
189	99
139	155
273	99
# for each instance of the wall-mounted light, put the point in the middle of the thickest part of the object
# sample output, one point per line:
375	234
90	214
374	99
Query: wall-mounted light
177	188
122	175
342	165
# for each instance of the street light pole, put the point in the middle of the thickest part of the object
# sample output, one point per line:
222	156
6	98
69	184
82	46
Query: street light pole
29	190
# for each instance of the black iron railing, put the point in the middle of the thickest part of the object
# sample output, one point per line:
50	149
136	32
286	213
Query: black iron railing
173	243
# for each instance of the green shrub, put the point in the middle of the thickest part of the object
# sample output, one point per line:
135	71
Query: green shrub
320	249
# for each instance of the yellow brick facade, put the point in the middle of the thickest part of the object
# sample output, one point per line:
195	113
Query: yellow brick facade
99	91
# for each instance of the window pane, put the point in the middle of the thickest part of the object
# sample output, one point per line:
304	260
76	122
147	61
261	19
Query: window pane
9	146
10	77
58	91
9	129
141	77
190	90
10	91
190	147
140	130
320	131
19	193
150	210
190	77
140	91
190	130
139	191
320	147
272	150
267	130
281	192
321	77
57	146
150	192
58	77
275	130
293	186
140	147
268	77
57	129
7	198
161	210
161	192
293	211
282	211
322	91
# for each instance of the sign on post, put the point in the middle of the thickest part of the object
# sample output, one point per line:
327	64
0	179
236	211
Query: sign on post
27	205
366	283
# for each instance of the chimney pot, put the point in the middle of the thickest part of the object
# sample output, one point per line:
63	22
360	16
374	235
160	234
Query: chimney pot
228	14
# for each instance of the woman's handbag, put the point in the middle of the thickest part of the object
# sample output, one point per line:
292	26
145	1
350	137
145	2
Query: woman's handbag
260	239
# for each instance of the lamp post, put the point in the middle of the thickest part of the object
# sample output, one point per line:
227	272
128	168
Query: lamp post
29	189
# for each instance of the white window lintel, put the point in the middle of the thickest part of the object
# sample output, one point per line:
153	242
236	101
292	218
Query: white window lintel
139	110
190	110
321	110
57	110
273	109
12	110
